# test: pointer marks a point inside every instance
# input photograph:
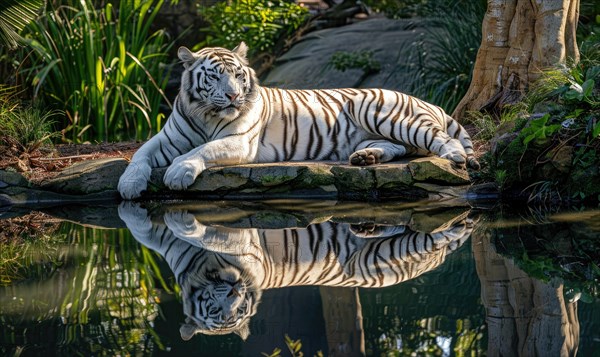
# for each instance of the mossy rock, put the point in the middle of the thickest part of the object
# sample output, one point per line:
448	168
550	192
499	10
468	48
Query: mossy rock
437	170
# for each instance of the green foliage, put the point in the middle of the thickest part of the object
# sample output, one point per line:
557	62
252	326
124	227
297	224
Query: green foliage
446	54
259	23
538	130
105	68
500	178
422	338
588	28
557	251
24	129
557	128
33	249
342	61
14	16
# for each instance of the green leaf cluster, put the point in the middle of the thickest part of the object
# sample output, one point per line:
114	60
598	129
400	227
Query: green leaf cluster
106	68
259	23
538	130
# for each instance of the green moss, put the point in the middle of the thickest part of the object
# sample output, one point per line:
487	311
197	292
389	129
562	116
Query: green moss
274	180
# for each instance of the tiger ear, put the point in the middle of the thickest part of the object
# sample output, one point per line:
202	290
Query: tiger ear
241	50
186	56
187	331
243	331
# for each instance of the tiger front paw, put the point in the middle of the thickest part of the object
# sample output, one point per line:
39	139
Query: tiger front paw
181	223
136	218
134	180
181	174
454	152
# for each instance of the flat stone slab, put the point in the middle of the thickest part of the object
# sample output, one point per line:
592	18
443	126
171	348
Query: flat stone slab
331	180
425	178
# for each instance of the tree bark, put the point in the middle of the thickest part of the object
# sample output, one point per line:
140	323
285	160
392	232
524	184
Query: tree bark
519	40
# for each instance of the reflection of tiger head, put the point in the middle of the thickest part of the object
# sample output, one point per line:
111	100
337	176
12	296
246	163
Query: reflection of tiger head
218	79
218	298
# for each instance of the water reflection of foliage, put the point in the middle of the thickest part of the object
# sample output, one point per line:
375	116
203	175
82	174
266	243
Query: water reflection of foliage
566	251
435	314
429	336
27	246
108	300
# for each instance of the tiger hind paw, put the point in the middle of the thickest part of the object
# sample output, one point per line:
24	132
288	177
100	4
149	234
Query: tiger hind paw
366	157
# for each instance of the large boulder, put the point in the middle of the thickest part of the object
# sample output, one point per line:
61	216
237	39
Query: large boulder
308	63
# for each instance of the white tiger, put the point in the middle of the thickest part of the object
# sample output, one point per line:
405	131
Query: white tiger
222	116
223	271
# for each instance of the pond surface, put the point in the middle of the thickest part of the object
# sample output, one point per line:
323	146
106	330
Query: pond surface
346	279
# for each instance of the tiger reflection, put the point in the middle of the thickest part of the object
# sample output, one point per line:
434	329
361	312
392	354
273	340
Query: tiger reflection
223	271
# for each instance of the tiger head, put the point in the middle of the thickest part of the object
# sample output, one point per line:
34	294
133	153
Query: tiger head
218	300
219	80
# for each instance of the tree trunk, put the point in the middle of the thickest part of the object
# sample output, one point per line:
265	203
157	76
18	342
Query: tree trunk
519	39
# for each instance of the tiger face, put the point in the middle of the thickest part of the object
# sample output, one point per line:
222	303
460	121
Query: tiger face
220	302
219	79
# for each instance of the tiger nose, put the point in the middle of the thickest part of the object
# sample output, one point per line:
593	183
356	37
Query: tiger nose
232	96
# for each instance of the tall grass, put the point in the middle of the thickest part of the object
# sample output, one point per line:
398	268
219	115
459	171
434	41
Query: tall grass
445	54
23	129
104	67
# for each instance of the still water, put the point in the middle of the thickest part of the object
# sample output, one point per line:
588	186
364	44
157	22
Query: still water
341	279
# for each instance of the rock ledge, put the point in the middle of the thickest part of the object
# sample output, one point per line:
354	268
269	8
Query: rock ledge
424	178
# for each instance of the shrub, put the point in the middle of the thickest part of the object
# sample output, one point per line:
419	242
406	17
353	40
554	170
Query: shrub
259	23
557	131
104	68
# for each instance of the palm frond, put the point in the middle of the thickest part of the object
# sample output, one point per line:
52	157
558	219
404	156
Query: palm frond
14	16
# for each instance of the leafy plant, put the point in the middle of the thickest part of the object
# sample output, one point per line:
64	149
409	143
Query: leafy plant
105	68
259	23
294	346
407	8
500	177
342	61
14	16
538	130
557	127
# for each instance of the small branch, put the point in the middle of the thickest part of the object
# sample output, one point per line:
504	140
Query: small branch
65	157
